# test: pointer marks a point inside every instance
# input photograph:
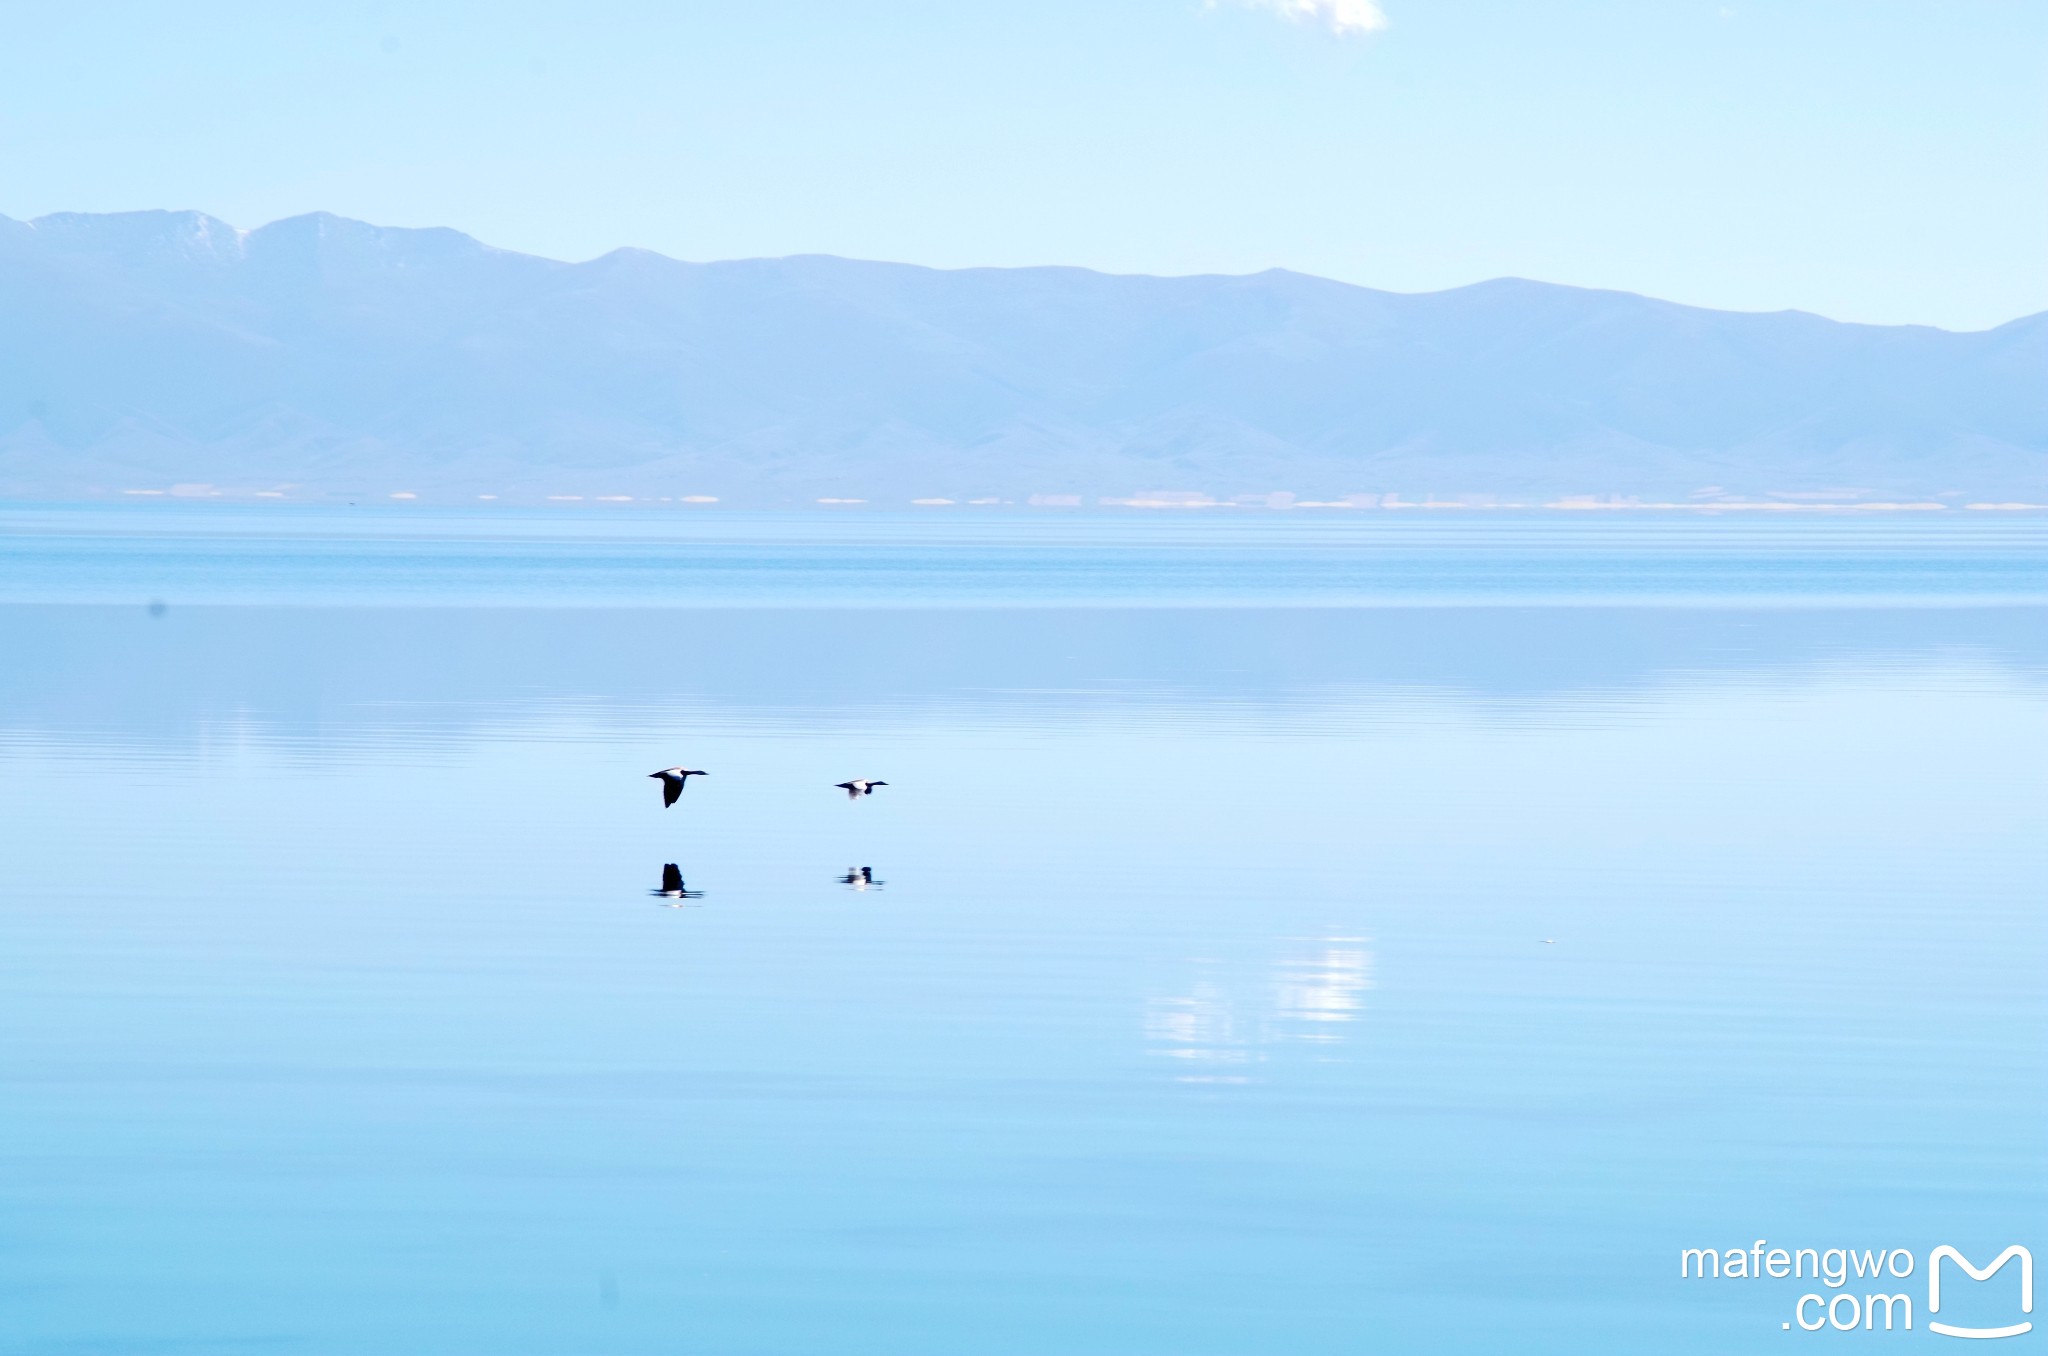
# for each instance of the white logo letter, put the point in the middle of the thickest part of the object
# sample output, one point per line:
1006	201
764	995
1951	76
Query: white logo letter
1975	1274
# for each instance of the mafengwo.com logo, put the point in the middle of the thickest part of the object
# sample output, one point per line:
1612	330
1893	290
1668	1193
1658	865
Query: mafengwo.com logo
1873	1289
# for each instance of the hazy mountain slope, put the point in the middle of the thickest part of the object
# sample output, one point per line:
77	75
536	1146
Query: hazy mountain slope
149	348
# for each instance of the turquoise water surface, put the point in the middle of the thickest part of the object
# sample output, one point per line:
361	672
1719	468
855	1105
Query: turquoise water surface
1302	936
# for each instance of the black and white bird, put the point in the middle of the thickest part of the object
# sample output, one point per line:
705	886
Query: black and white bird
673	779
672	886
858	787
860	878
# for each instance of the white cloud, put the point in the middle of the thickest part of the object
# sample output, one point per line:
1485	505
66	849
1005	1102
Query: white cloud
1341	17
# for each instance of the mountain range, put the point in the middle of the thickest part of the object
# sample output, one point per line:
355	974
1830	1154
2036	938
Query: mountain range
319	357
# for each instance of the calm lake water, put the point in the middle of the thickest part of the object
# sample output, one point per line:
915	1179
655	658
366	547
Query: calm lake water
1286	935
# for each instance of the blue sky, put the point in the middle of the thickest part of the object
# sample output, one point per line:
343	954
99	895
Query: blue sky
1867	159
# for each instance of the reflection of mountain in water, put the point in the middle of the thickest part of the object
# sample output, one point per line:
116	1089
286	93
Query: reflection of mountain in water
1223	1024
341	674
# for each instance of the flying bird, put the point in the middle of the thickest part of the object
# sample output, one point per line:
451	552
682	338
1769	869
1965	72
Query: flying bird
858	787
673	779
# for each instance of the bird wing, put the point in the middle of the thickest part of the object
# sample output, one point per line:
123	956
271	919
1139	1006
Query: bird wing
670	790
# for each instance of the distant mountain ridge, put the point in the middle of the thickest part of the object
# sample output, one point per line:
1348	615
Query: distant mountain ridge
323	356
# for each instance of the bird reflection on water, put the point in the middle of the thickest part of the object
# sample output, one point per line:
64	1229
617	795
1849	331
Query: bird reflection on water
860	878
672	885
